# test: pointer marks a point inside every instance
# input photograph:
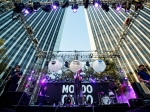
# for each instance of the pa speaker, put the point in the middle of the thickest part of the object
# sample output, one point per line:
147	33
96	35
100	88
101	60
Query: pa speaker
136	102
139	91
14	98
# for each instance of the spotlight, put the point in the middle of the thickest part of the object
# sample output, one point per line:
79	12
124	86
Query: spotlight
19	7
65	4
46	8
105	7
125	78
96	3
121	71
87	63
55	5
28	10
74	7
118	8
66	64
32	71
29	78
43	80
92	80
36	5
27	85
86	3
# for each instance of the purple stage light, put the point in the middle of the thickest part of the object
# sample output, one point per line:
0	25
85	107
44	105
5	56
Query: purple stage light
26	11
29	78
74	10
32	71
92	80
125	78
43	80
27	85
96	4
118	8
54	7
121	71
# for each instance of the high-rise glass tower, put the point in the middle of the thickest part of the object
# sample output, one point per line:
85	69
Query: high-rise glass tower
104	31
47	27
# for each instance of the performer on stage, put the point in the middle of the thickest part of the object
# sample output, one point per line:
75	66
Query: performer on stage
42	96
77	87
143	76
13	79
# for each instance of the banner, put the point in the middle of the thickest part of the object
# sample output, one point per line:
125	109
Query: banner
57	91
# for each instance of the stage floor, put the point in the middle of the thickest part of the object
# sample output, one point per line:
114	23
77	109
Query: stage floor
105	108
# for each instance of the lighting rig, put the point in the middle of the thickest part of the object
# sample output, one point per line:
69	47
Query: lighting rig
53	5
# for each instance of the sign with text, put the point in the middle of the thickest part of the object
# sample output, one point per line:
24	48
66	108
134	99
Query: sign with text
58	91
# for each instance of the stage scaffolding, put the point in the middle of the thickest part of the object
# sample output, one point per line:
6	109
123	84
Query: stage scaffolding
36	72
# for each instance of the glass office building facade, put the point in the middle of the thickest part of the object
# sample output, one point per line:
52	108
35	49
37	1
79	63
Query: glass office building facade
47	27
104	31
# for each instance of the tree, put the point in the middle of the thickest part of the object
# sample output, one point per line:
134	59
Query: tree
3	58
110	70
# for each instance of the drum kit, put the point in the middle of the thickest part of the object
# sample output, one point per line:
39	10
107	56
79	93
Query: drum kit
107	99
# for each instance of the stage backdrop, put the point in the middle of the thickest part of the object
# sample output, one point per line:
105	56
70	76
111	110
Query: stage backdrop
57	91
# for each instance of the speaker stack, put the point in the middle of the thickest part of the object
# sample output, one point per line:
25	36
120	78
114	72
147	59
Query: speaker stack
14	98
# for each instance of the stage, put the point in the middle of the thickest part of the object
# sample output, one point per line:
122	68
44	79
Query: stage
105	108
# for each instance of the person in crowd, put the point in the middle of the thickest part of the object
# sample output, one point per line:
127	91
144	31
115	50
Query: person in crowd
143	76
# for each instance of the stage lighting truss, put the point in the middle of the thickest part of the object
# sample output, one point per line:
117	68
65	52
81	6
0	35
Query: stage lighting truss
105	7
86	3
65	3
47	6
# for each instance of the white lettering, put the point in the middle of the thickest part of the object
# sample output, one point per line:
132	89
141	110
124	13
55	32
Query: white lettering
71	88
83	88
62	99
89	97
89	89
65	89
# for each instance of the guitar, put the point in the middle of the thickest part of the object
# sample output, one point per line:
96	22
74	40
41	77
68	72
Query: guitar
8	80
145	88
